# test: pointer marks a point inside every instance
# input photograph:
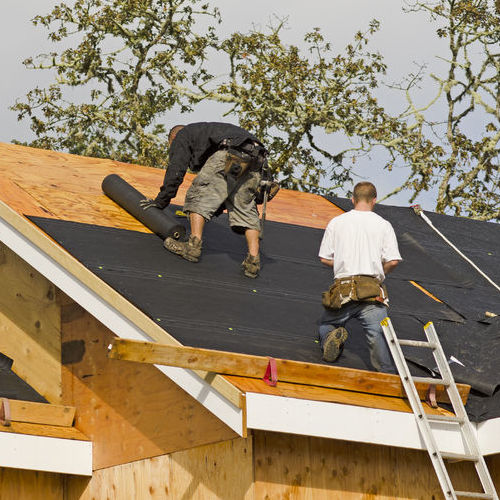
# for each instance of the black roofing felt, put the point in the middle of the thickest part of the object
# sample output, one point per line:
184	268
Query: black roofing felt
212	305
13	387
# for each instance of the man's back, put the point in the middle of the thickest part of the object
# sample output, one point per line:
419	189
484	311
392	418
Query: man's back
359	242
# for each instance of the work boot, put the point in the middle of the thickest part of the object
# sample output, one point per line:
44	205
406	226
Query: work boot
189	250
334	344
251	266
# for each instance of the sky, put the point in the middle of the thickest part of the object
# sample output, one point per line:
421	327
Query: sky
404	39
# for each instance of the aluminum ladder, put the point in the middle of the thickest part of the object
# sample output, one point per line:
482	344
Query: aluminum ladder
460	419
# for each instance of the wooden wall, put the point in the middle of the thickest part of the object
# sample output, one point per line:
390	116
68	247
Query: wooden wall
18	484
273	466
218	471
30	325
298	467
129	410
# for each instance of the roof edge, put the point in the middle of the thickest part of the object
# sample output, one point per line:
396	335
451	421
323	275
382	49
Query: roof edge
359	424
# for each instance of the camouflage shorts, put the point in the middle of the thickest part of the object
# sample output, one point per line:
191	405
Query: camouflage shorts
212	187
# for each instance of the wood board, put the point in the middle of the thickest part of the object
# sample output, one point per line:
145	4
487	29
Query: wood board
41	413
255	366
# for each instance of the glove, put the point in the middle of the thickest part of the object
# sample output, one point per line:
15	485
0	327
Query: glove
148	203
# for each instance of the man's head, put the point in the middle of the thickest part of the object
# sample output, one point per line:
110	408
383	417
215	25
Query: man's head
364	195
173	133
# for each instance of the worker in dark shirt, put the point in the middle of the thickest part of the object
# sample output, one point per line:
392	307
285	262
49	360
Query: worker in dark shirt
229	161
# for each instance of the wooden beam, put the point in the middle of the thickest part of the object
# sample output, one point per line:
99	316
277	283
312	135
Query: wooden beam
330	395
245	365
41	413
56	431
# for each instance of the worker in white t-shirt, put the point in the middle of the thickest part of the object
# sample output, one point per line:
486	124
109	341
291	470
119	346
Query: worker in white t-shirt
361	247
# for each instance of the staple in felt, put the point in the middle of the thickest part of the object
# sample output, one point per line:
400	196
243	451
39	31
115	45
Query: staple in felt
211	304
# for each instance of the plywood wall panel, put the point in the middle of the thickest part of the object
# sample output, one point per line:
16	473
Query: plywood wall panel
299	468
130	411
218	471
221	471
30	325
16	484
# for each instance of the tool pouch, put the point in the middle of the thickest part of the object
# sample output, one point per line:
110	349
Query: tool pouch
354	288
237	162
272	191
366	287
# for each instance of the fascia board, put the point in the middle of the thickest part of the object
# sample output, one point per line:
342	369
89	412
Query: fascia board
47	454
119	324
346	422
489	436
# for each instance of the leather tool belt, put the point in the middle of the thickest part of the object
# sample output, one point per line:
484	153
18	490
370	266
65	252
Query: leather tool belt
249	155
360	288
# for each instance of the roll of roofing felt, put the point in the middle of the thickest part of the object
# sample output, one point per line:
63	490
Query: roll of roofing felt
161	222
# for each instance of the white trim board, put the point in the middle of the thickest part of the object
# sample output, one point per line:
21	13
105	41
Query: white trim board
47	454
489	436
109	316
356	423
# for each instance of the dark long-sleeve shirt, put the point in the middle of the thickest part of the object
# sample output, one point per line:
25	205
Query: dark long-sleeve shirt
191	148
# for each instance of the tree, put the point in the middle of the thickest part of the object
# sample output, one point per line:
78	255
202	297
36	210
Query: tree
128	56
138	59
292	98
464	162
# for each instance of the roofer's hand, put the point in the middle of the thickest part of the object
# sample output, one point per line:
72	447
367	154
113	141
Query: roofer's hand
148	203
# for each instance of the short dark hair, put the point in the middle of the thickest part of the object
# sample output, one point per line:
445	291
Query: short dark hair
173	132
364	191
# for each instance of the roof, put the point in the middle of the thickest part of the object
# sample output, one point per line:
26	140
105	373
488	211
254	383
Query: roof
166	299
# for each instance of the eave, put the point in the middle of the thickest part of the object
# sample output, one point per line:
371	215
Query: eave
41	437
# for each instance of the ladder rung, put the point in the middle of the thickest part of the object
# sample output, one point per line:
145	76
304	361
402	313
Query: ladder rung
460	456
418	343
445	418
430	381
471	494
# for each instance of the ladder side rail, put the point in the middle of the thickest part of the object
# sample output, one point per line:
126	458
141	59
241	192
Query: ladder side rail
445	372
469	431
418	410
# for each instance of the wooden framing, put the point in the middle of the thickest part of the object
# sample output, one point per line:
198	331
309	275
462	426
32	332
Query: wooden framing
129	411
41	413
255	366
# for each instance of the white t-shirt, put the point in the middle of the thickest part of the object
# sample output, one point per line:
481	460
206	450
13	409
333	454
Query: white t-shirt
359	242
